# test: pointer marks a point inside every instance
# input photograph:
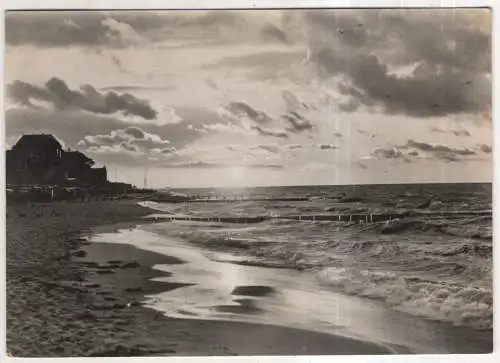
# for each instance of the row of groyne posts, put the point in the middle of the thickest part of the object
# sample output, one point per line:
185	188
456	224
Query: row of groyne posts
345	218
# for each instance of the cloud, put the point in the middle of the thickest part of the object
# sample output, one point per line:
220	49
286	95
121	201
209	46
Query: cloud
447	59
297	122
73	125
294	146
213	165
390	153
241	109
454	132
349	106
69	28
121	34
220	127
486	148
363	132
125	88
131	140
274	149
57	93
120	29
438	149
415	148
268	132
327	147
361	165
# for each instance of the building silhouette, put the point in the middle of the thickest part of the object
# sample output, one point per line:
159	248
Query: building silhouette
40	159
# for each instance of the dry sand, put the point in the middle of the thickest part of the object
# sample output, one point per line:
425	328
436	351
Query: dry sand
66	297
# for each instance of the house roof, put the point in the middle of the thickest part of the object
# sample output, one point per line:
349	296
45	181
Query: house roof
37	141
76	157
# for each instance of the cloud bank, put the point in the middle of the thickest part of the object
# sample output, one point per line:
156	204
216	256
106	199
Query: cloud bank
416	62
131	140
57	93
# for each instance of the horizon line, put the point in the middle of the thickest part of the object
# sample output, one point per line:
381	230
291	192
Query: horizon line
316	185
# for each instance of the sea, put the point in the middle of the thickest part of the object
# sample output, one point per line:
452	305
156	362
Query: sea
430	270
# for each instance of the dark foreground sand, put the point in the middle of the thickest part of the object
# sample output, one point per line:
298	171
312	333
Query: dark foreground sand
66	297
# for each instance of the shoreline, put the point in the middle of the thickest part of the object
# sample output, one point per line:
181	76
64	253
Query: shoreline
69	308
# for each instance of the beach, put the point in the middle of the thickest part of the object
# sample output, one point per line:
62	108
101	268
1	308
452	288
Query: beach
76	298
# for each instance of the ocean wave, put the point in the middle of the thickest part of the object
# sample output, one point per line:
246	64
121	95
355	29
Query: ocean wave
458	304
464	228
435	264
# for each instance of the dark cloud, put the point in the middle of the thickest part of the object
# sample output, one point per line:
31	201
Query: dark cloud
268	132
461	133
349	106
135	132
361	165
356	98
450	55
297	122
327	147
454	132
413	148
211	165
68	28
438	149
241	109
57	93
486	148
390	153
120	29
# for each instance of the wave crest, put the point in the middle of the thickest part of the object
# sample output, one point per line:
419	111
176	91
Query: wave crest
459	304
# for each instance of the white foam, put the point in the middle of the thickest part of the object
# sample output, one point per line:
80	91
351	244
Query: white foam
458	304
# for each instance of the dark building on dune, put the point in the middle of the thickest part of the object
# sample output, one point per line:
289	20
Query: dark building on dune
40	159
79	167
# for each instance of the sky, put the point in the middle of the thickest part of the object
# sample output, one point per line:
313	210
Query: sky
258	97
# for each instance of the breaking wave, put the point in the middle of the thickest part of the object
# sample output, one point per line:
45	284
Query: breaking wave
434	262
459	304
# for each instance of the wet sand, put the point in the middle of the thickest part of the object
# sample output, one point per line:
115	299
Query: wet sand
78	299
214	288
